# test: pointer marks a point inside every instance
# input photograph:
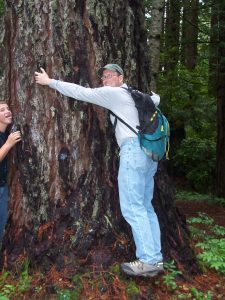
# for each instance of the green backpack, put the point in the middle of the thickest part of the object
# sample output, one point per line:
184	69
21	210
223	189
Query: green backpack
154	130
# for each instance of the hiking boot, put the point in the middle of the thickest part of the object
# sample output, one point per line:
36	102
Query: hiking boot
139	268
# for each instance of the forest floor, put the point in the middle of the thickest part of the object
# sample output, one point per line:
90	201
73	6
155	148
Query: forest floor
110	284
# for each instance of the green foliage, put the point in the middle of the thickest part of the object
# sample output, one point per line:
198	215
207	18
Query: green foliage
132	289
79	286
115	269
4	298
22	285
220	201
211	241
202	218
213	254
208	222
196	233
192	112
197	156
24	281
6	291
198	295
169	281
218	230
194	196
194	294
67	295
171	274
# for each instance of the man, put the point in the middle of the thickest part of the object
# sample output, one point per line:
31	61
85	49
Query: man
136	170
6	143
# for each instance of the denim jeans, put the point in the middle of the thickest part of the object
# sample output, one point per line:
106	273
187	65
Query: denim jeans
136	185
3	209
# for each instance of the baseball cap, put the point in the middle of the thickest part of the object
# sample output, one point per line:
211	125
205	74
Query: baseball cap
112	67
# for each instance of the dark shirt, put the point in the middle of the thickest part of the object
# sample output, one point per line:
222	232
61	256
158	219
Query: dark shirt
3	163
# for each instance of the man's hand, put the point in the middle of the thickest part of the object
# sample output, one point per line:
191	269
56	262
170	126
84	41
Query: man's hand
42	78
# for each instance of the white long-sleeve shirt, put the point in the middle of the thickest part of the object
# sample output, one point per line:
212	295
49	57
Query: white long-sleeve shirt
116	99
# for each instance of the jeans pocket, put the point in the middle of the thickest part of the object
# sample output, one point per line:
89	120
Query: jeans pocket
133	157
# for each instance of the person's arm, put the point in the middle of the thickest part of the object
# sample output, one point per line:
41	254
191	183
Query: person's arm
13	138
107	97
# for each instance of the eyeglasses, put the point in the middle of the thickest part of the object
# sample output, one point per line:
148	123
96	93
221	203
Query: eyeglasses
108	76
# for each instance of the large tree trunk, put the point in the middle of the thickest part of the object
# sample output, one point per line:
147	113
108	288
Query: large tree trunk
64	198
220	164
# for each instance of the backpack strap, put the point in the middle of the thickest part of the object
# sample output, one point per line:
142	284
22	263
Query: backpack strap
115	121
129	89
121	120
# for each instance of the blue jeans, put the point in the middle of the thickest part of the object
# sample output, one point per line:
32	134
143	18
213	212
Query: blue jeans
136	185
3	209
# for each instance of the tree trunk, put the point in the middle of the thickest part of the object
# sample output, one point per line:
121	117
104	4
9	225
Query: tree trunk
213	50
155	32
190	33
172	34
220	164
64	201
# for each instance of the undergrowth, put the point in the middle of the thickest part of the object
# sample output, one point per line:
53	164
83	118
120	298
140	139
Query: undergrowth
207	236
210	238
194	196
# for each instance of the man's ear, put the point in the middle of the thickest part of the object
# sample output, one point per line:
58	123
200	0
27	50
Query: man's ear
121	78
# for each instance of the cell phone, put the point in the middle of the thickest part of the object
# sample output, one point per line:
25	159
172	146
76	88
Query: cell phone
41	64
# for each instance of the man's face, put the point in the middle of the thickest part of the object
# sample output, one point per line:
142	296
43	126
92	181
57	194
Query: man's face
5	114
111	78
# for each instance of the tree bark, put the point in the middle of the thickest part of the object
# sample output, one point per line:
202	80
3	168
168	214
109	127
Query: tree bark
155	31
64	205
172	34
190	33
213	50
220	165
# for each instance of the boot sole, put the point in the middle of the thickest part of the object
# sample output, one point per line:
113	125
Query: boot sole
147	274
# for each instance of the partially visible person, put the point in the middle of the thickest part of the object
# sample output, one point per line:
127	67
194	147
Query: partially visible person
7	141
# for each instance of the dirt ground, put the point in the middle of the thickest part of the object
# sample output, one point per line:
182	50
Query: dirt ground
195	288
191	209
105	285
